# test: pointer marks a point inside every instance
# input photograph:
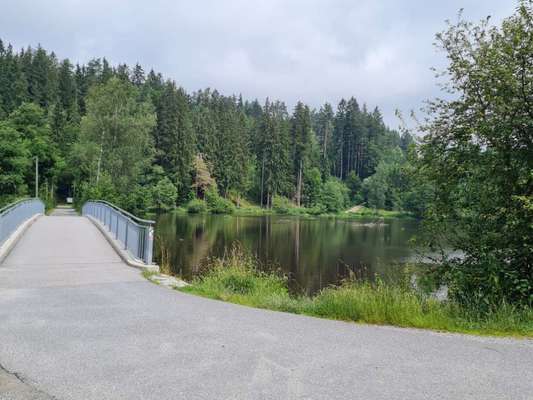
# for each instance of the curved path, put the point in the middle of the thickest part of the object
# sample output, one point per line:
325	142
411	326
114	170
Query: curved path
76	323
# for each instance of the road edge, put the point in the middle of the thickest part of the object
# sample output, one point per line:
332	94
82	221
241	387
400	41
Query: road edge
14	238
123	254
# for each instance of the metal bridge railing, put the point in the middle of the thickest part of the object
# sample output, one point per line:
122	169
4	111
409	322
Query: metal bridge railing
14	214
135	234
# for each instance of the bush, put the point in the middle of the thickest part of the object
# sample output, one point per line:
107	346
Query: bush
217	204
164	195
312	186
334	195
137	201
281	205
196	206
353	182
104	190
374	190
316	210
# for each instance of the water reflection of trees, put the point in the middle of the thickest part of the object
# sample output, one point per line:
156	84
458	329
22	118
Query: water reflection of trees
313	252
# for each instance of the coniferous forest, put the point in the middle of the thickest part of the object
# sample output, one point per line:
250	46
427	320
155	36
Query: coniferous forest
139	140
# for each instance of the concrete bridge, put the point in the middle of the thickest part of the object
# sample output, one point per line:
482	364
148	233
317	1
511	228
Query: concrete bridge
78	322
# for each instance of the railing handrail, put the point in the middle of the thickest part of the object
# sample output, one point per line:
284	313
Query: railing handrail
134	233
13	215
124	212
17	203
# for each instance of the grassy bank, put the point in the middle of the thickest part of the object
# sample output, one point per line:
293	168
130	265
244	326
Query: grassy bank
236	279
363	212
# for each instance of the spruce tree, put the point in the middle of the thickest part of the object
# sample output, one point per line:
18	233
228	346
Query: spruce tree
174	139
301	144
137	76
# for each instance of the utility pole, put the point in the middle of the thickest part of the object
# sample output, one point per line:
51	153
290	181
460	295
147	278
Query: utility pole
36	176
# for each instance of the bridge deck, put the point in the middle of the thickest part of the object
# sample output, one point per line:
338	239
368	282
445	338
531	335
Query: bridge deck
76	323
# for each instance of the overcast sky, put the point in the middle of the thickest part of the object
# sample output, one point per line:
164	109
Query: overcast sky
379	51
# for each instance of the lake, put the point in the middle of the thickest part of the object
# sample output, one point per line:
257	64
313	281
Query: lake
313	252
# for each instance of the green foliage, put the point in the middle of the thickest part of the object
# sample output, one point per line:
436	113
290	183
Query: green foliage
14	162
354	184
477	155
374	189
301	145
30	120
138	200
202	182
282	205
237	278
174	139
95	119
117	130
217	204
384	189
103	190
164	195
196	206
312	186
334	196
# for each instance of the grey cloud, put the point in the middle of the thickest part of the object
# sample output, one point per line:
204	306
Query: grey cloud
316	51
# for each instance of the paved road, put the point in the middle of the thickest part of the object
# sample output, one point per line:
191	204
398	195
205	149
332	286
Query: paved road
76	323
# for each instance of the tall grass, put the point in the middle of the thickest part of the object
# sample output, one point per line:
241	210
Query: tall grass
237	279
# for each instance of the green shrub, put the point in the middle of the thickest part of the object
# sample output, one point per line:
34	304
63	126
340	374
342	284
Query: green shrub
196	206
281	205
137	201
104	190
316	210
353	183
164	195
334	196
217	204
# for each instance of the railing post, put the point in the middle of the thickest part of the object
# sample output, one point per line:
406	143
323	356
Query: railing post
108	214
148	244
126	239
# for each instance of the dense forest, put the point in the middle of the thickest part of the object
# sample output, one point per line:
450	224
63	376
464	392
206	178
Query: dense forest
141	141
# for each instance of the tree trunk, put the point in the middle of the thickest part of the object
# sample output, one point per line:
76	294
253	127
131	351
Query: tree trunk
262	179
100	156
299	186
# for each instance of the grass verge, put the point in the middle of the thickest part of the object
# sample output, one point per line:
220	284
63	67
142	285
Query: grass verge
252	210
235	278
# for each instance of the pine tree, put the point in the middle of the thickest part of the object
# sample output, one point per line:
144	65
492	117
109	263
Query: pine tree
107	71
174	139
137	76
275	162
122	72
42	77
301	145
13	85
324	129
67	90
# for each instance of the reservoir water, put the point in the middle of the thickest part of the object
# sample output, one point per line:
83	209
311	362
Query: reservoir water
313	252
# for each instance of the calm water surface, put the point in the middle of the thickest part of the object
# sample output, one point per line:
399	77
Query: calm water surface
313	252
